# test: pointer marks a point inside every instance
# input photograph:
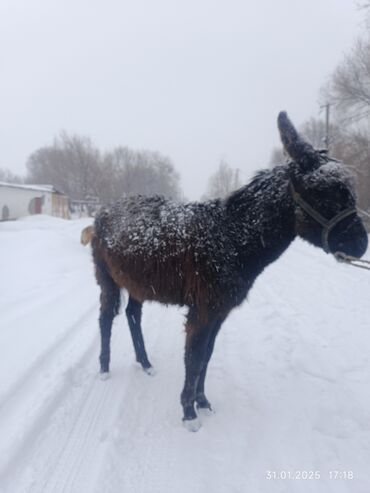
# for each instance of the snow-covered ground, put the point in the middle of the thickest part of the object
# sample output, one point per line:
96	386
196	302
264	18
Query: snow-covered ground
289	380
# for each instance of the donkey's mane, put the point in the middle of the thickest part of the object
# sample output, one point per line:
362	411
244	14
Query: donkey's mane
264	196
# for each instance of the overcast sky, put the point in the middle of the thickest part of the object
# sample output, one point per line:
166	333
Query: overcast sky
198	80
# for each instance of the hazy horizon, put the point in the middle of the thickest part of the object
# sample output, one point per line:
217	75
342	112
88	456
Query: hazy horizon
198	82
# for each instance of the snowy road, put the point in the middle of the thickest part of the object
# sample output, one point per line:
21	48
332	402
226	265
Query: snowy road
289	381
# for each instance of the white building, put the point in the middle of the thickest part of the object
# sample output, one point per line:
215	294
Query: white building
23	200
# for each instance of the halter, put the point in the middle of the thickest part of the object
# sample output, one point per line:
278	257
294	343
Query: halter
327	224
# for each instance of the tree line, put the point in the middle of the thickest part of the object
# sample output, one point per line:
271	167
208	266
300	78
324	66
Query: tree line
76	167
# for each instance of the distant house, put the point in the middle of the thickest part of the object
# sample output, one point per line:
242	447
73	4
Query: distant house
23	200
84	208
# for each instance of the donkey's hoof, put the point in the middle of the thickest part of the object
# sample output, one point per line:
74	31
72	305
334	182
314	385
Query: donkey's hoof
192	424
104	375
205	411
150	371
202	402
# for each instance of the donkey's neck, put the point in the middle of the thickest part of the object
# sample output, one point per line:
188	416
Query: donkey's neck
261	220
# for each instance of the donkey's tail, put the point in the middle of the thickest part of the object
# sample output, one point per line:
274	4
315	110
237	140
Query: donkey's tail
87	234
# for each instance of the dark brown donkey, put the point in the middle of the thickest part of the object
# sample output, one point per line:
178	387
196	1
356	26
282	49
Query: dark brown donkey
207	255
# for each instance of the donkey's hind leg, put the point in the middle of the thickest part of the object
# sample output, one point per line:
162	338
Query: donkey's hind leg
133	313
110	299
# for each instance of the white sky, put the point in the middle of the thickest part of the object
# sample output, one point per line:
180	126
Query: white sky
195	80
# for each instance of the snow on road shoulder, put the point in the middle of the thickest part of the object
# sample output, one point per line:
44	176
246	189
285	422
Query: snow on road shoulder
48	300
288	380
45	273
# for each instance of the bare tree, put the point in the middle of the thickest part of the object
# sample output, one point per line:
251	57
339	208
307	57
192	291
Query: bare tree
314	131
224	181
72	164
353	148
8	176
349	94
141	172
349	88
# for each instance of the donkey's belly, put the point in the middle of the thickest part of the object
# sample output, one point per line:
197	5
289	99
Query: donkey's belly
149	281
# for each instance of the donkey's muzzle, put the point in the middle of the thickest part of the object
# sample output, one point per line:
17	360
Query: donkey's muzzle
350	238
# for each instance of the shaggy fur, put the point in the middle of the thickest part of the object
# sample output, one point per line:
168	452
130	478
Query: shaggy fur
206	256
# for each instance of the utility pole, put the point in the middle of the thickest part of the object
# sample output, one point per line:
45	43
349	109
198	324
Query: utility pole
327	125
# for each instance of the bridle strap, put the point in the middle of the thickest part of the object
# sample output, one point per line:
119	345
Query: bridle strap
306	207
327	224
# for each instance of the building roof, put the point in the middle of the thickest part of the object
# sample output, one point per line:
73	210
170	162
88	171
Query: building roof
38	188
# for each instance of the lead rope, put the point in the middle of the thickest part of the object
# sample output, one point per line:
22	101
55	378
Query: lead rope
364	213
354	261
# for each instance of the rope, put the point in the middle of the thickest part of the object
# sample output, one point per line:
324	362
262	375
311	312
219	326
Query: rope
364	213
354	261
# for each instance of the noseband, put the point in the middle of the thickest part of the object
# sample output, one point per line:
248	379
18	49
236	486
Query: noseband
327	224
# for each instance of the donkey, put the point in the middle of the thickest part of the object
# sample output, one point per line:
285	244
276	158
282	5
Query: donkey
206	256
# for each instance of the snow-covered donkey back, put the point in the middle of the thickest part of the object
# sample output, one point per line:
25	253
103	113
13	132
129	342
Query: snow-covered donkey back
206	256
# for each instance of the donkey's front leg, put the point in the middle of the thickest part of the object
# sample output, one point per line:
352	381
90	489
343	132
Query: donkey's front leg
195	353
200	397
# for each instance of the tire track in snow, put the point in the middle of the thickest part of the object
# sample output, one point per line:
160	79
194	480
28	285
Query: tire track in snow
74	460
19	403
78	464
23	453
23	305
73	466
148	426
42	361
65	448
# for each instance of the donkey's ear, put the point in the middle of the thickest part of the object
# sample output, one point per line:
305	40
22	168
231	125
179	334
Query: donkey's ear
298	149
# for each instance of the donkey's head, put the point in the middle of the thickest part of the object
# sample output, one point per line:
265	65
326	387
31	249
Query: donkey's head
323	192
